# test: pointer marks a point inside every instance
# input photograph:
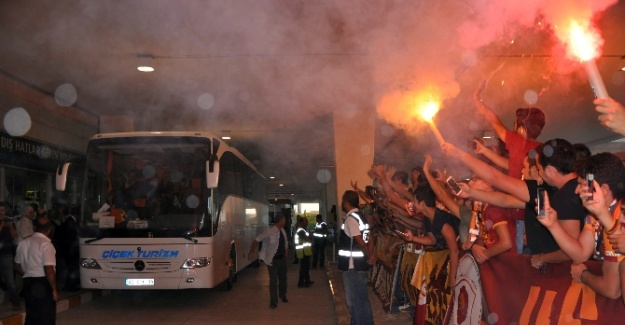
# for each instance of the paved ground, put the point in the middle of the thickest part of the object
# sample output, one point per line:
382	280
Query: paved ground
323	303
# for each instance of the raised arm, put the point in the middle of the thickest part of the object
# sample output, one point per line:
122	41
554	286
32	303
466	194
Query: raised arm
441	193
597	206
485	151
499	199
398	189
363	195
488	114
490	174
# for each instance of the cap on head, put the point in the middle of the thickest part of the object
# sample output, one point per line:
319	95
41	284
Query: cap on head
532	119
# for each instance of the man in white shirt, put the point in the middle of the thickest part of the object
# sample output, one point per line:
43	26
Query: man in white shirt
36	260
273	253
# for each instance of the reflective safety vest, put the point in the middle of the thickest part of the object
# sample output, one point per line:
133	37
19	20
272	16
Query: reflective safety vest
348	249
303	247
321	230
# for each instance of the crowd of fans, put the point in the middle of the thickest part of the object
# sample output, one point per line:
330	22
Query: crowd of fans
496	210
17	224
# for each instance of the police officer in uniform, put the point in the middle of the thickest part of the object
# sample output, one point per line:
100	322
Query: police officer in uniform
355	258
303	250
320	236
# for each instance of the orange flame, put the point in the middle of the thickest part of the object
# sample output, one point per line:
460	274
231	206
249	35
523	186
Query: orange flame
427	105
429	110
584	41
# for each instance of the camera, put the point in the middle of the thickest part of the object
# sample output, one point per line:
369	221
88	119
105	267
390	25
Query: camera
540	202
454	186
591	189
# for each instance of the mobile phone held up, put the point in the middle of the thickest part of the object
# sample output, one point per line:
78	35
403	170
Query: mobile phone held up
454	186
540	202
591	189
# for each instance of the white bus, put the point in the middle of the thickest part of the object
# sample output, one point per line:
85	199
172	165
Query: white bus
165	210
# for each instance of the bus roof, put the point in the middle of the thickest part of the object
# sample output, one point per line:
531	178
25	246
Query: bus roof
223	147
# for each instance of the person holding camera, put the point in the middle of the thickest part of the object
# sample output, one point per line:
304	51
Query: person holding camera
602	197
554	167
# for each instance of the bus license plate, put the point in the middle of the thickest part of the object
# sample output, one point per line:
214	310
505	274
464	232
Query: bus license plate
139	282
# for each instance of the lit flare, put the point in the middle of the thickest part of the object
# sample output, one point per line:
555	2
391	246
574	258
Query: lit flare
584	43
427	113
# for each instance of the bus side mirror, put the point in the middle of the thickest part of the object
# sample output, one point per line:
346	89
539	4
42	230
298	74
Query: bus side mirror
212	173
61	176
62	171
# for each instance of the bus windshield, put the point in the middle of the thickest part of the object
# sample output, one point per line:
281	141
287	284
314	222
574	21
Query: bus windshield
148	186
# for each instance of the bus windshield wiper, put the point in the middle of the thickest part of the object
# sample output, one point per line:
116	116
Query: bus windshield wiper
189	238
93	240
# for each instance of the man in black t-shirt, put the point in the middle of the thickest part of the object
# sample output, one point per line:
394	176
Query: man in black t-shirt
556	166
556	170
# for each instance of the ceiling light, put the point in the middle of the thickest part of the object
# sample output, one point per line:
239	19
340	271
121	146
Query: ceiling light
226	138
488	135
145	68
272	177
281	184
623	69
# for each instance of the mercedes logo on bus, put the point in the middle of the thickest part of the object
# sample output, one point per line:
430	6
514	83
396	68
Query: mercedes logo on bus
139	265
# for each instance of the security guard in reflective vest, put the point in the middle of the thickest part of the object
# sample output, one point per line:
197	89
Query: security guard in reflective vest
355	258
319	242
303	250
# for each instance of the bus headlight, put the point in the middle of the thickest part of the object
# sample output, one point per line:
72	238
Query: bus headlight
196	262
90	263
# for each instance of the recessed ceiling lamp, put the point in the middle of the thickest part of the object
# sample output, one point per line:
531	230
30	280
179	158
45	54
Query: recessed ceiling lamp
281	184
623	69
145	68
488	135
226	138
272	177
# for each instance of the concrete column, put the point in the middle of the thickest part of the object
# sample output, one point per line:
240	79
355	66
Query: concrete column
354	131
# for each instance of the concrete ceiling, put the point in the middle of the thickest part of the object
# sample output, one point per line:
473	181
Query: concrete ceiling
271	73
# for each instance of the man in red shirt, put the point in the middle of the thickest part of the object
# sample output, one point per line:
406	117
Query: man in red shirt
519	141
